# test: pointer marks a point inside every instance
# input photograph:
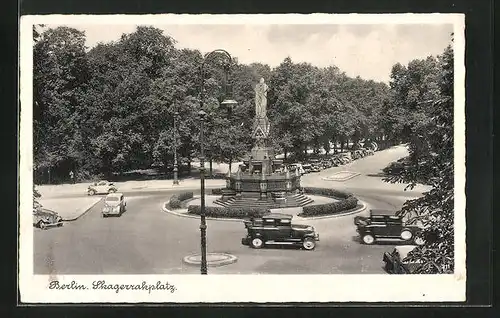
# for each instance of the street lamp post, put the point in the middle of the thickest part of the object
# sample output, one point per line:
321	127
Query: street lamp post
228	102
176	168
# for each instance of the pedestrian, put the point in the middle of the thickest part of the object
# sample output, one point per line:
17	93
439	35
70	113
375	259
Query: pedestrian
72	176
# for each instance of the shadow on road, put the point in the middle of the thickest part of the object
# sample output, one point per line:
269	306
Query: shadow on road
383	242
378	175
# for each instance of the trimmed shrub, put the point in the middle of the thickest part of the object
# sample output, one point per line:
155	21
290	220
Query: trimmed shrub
221	212
174	202
217	191
331	208
176	199
336	194
185	196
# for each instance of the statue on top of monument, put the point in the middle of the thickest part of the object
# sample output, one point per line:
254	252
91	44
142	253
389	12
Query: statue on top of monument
261	99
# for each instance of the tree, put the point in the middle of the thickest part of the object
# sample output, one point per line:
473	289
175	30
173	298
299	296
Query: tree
125	114
413	87
431	153
60	70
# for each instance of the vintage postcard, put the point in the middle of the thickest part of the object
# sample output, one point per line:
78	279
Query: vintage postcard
242	158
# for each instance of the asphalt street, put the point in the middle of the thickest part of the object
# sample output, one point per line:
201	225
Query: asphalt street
146	240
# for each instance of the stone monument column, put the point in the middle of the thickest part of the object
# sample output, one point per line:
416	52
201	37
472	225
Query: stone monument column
261	152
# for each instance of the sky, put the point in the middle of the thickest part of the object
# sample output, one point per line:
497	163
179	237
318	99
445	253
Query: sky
365	50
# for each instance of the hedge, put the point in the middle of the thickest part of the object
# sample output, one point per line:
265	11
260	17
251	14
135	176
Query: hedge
176	199
330	208
221	212
217	191
327	192
185	196
347	201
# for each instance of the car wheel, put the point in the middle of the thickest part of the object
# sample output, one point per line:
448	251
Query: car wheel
43	225
419	241
388	267
368	239
92	192
257	242
111	190
309	244
406	235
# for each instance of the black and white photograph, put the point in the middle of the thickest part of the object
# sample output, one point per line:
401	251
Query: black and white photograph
242	158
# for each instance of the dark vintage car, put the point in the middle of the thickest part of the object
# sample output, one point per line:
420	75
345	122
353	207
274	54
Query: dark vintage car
45	218
315	165
307	167
396	167
326	164
395	262
384	224
277	228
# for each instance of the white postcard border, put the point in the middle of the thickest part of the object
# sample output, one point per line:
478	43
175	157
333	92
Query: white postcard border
242	288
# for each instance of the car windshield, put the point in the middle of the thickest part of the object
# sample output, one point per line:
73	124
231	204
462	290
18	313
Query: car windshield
102	183
112	199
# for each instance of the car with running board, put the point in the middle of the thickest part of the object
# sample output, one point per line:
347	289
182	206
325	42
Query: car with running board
385	225
277	229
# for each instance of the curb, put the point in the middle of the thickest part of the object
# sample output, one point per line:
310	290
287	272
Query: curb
84	212
230	259
185	215
354	175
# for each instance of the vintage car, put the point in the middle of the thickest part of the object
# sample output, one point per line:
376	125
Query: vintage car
395	262
114	204
336	161
277	228
384	224
101	187
45	218
316	165
326	164
296	166
307	167
396	167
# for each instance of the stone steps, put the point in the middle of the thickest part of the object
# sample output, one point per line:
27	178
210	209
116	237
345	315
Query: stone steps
295	200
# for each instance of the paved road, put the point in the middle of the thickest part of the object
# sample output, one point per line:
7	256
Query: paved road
146	240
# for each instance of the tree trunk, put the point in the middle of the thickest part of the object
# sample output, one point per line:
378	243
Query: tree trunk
286	154
230	164
211	167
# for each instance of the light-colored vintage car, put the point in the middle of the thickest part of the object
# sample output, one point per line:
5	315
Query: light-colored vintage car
45	218
101	187
114	204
